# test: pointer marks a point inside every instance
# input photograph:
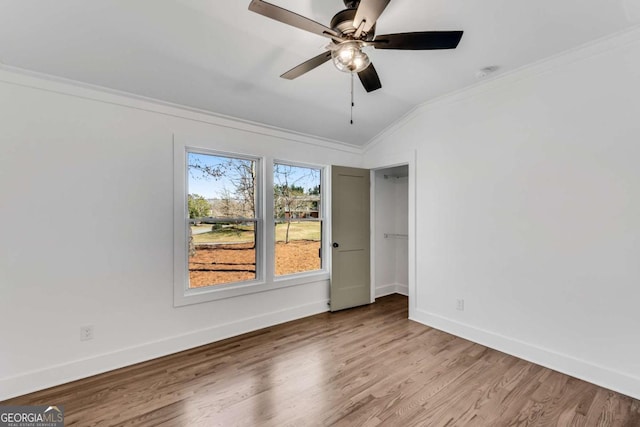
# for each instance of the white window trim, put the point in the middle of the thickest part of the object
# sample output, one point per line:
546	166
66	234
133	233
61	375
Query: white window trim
265	260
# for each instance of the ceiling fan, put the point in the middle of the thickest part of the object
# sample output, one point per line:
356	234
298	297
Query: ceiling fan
350	30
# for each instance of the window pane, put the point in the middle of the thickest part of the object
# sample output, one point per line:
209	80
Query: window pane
227	183
297	212
222	219
222	252
302	251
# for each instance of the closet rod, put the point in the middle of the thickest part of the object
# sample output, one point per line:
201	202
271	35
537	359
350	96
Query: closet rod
395	236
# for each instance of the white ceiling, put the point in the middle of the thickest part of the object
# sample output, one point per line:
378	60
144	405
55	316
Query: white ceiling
215	55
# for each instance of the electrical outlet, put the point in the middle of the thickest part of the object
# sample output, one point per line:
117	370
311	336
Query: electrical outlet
86	333
460	304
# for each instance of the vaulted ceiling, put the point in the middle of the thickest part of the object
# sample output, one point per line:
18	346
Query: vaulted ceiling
217	56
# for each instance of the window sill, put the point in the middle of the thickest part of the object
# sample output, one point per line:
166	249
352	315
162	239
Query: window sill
219	292
301	278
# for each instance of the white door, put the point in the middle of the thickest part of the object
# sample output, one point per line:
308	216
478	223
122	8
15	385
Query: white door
350	255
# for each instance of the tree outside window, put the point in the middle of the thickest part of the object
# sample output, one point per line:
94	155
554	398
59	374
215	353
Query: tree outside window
298	219
223	219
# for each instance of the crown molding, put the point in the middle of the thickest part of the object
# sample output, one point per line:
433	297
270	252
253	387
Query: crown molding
74	88
583	52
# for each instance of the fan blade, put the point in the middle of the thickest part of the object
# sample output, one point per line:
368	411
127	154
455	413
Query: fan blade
287	17
307	66
424	40
369	11
369	79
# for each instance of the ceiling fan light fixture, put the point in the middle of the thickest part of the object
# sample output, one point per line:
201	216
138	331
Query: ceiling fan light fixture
349	57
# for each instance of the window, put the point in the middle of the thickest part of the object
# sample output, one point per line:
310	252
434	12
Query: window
223	219
298	220
222	247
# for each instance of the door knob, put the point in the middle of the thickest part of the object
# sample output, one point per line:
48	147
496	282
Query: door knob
335	244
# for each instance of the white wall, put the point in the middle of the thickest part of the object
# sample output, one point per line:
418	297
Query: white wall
391	217
86	231
384	249
528	207
401	190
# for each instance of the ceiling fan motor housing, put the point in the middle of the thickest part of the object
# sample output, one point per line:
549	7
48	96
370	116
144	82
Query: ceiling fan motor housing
342	23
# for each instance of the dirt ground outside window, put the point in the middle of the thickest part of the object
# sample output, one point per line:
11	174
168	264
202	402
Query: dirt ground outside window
215	264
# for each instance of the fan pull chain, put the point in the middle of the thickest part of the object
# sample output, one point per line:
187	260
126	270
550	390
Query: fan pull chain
352	104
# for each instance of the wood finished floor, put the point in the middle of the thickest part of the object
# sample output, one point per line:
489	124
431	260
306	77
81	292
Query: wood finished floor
368	366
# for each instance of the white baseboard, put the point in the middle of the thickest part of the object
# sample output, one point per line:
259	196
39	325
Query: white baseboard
392	288
587	371
83	368
385	290
402	289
